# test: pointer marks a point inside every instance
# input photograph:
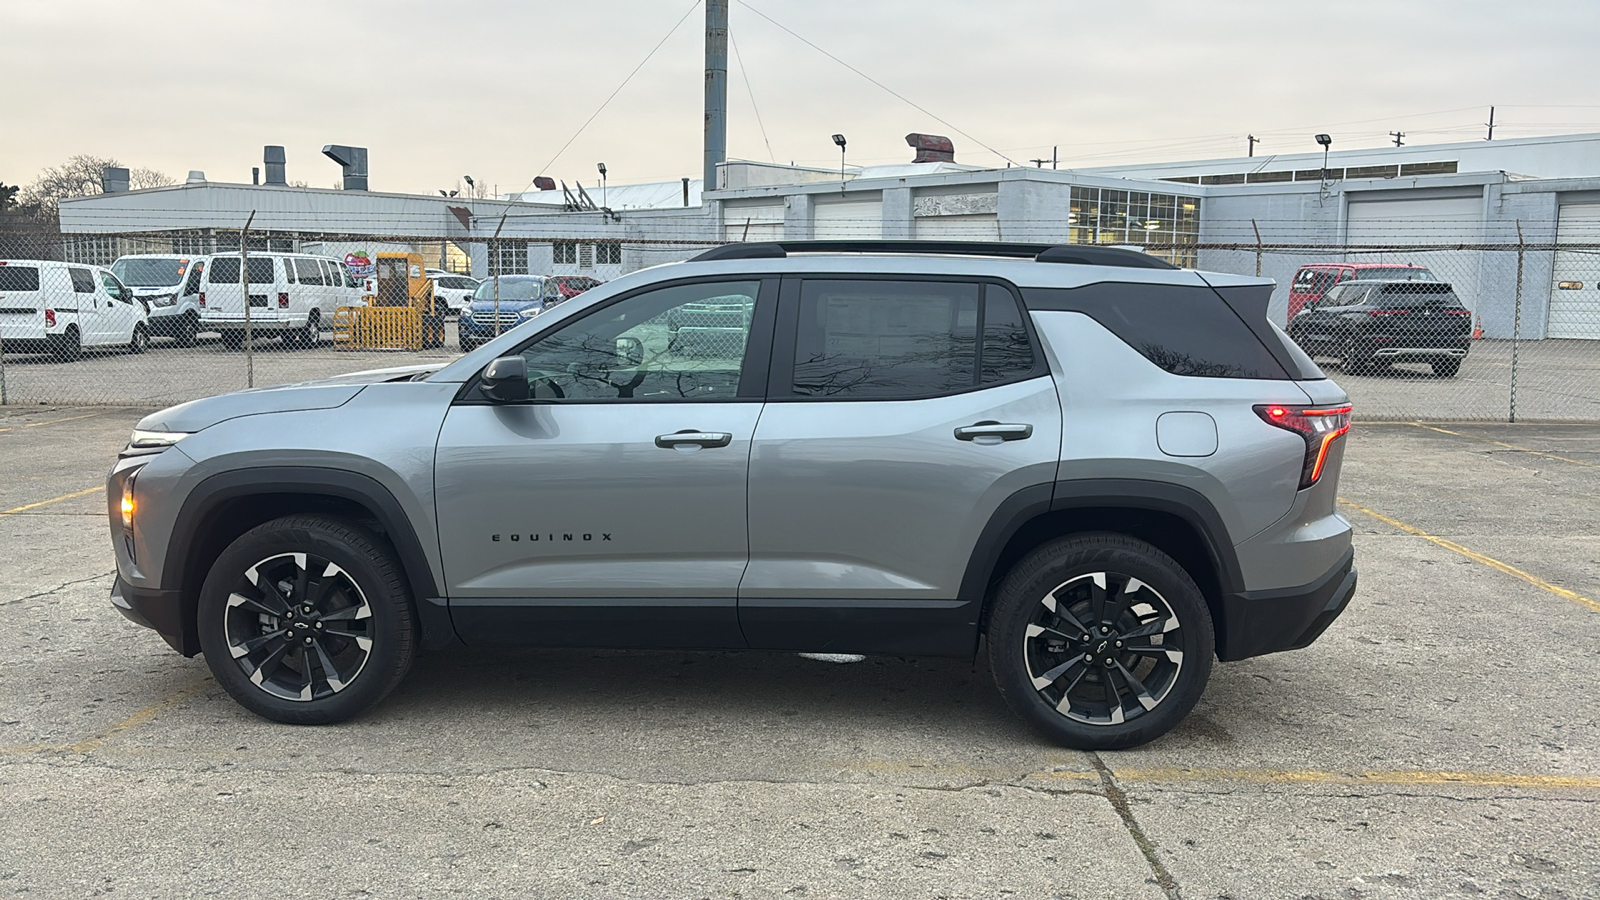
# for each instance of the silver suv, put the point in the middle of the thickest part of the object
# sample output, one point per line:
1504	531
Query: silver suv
1102	469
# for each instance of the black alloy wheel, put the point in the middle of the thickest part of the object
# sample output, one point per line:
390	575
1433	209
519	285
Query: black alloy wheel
1100	641
186	330
307	620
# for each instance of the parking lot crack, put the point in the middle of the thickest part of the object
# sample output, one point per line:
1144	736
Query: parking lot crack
1119	802
59	588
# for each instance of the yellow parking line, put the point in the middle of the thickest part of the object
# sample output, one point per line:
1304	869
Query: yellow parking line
83	493
54	421
138	718
1168	774
1489	561
1473	437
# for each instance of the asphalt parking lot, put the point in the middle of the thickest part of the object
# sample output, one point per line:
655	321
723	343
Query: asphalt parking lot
1441	740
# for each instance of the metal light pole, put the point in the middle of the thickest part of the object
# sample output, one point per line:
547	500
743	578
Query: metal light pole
716	146
602	168
244	288
839	139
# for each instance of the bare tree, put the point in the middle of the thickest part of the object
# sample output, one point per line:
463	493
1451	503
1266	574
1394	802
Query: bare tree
80	177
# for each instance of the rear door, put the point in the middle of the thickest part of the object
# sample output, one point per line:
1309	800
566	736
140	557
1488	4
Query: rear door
23	293
120	311
901	413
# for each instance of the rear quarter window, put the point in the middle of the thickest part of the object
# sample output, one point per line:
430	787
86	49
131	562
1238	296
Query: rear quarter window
1184	330
19	278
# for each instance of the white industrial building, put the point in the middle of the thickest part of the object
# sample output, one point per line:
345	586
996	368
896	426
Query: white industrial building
1453	197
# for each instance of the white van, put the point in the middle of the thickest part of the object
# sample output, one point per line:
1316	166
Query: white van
291	295
169	285
63	308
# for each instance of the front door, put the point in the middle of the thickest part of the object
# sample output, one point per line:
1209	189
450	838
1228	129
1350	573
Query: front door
901	414
609	510
118	311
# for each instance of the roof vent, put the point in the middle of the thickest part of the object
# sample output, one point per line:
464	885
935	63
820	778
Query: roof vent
114	179
274	159
545	183
196	176
931	148
354	161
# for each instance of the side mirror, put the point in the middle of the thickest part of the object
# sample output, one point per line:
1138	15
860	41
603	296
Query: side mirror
630	353
506	379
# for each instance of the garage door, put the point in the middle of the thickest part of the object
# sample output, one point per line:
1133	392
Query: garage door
1575	290
752	223
1453	220
842	220
958	228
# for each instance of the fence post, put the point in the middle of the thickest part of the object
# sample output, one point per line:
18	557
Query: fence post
244	288
2	370
1516	325
1258	246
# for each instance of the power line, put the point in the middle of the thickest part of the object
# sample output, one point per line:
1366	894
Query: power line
613	96
745	74
901	97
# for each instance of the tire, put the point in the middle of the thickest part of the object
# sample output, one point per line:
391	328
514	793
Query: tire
1351	360
361	623
306	337
68	347
1446	368
233	340
141	340
186	329
1064	686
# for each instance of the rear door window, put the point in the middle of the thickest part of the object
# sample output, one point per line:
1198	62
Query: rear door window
885	340
225	270
19	278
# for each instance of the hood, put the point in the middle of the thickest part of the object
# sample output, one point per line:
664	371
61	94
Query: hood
324	394
487	306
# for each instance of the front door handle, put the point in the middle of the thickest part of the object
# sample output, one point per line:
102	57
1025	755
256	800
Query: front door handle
994	432
698	438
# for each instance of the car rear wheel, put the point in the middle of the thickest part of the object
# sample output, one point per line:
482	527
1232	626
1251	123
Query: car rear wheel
1446	368
69	346
306	337
307	620
1100	641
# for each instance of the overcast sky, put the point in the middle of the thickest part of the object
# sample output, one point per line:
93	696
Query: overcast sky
494	88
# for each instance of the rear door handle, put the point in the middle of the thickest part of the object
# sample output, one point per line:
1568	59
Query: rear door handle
698	438
994	432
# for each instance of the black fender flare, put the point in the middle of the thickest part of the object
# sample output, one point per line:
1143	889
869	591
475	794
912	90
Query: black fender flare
210	494
1185	503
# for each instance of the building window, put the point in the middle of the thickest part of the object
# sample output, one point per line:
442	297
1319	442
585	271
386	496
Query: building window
508	259
608	253
585	256
1166	225
94	251
565	253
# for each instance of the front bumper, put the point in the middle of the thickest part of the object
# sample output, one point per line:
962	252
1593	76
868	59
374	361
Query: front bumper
1260	622
159	610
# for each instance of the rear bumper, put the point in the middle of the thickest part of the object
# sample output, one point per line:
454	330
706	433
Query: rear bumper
158	610
1420	352
1260	622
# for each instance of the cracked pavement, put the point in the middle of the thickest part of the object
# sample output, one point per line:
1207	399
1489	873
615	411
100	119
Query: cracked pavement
1439	741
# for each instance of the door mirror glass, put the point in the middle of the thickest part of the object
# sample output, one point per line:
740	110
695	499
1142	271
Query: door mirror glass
506	379
630	353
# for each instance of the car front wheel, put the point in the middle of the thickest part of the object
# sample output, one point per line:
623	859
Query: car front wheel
307	620
1100	641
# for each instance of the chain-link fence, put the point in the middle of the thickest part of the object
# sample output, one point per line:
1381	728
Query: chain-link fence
1413	331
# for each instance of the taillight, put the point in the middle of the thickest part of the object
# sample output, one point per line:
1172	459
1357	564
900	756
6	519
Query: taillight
1319	425
1458	312
283	301
202	299
49	318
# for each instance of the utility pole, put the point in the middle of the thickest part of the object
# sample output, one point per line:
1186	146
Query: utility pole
716	146
1053	154
1251	150
1491	125
1039	163
1399	138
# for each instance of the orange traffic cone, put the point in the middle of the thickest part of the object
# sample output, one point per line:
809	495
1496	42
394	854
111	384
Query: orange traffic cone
1477	328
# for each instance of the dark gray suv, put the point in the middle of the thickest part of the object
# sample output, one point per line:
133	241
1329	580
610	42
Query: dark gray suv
1103	470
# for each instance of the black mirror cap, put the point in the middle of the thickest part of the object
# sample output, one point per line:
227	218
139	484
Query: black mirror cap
505	380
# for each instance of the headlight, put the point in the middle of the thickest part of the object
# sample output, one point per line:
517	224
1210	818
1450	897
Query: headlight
151	440
531	311
163	299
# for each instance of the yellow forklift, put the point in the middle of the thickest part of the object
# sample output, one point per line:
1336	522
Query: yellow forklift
400	314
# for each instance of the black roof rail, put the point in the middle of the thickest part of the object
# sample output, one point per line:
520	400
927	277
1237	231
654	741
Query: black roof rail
1074	254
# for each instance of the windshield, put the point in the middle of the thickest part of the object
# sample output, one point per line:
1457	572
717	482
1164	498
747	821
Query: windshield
510	289
146	272
1407	273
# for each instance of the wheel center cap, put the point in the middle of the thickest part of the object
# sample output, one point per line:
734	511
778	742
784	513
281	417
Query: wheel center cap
1101	647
